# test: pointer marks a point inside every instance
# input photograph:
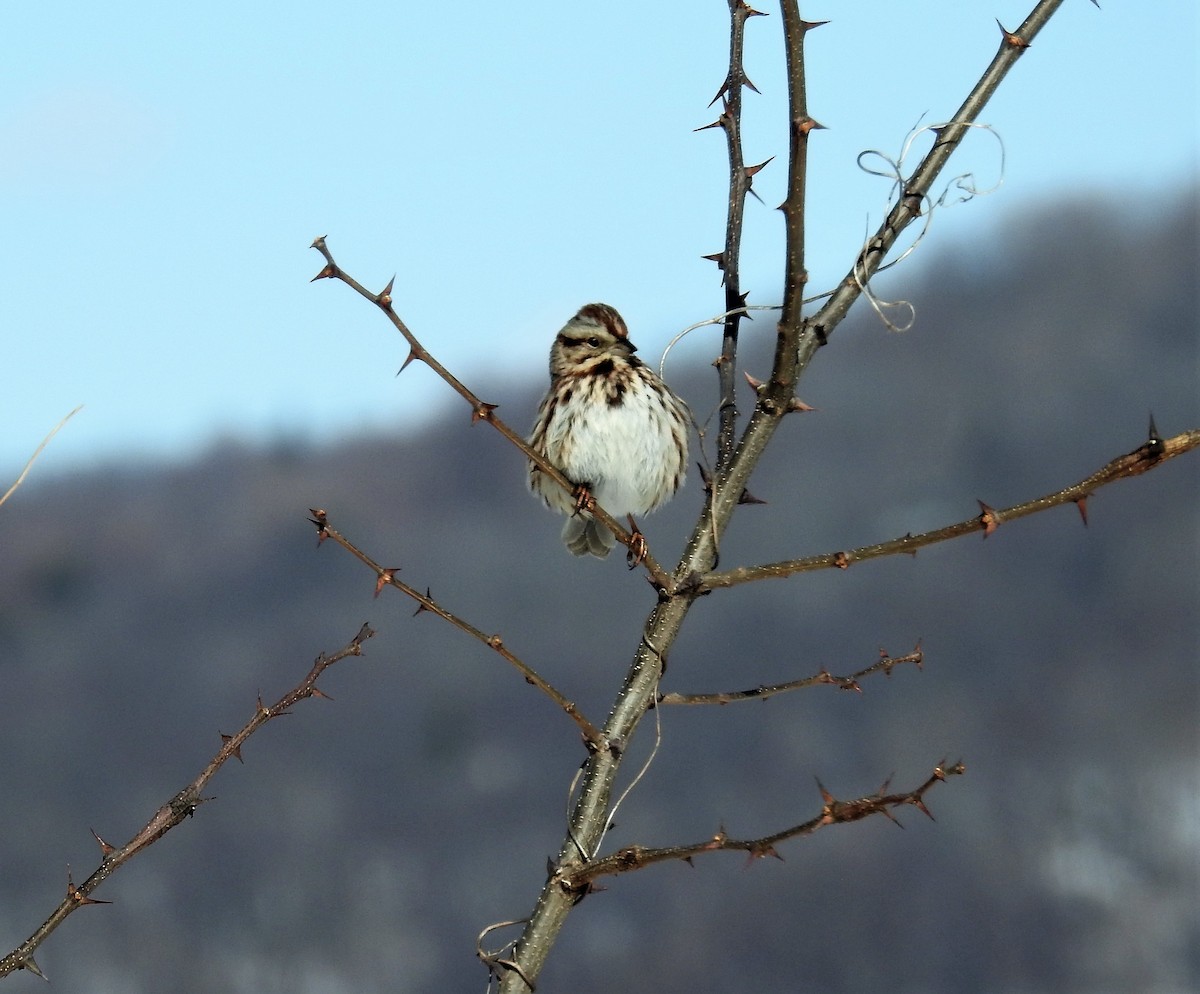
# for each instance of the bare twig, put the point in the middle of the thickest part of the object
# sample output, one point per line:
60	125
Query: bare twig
480	410
37	452
1151	453
180	807
885	664
578	879
386	577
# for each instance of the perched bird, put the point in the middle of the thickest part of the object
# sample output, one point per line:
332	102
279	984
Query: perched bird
613	427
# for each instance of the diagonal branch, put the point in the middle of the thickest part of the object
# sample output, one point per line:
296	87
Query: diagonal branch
1151	453
386	577
480	410
578	880
908	207
885	664
180	807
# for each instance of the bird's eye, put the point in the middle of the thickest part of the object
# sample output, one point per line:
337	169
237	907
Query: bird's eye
594	342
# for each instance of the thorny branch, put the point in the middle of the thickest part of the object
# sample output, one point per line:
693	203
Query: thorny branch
885	664
578	879
741	178
1151	453
386	577
1013	44
480	410
180	807
776	398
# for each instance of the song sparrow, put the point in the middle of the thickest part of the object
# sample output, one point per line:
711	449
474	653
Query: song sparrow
611	425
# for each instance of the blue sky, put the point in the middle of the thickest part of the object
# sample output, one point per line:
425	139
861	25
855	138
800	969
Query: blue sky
165	168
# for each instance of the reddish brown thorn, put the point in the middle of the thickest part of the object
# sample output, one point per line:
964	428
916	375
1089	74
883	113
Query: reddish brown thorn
718	258
841	561
809	25
321	520
384	299
385	577
237	750
797	406
483	412
756	384
1015	40
746	497
316	691
919	804
715	124
105	848
361	636
328	272
806	124
989	521
755	170
1081	503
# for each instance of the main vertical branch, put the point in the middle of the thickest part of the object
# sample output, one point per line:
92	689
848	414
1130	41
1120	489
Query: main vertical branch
729	260
776	396
795	275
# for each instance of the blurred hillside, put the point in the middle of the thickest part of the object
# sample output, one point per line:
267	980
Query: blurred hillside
367	841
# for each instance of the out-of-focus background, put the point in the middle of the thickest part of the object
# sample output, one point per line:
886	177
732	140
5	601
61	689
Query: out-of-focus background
166	171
